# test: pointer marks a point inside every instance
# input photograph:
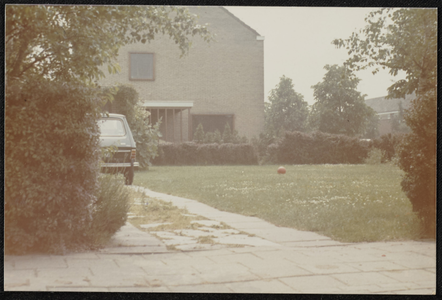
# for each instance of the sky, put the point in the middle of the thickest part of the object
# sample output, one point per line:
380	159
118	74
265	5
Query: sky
298	45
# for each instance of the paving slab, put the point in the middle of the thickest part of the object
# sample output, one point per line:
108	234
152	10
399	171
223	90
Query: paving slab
129	239
316	284
271	259
243	239
260	286
206	222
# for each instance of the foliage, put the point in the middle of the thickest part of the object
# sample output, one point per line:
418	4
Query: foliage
317	148
399	40
388	143
205	154
375	157
228	137
417	157
339	107
287	108
125	98
398	124
110	210
146	136
371	127
217	138
198	136
261	143
51	165
71	42
53	56
227	134
406	40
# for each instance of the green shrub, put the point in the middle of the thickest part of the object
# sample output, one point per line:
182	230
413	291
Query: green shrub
388	143
227	134
206	154
146	135
317	148
209	138
110	211
375	157
51	165
217	138
417	157
198	136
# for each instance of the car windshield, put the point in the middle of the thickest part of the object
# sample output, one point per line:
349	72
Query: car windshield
111	127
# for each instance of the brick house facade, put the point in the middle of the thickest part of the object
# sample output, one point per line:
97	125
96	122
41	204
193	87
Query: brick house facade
388	109
219	82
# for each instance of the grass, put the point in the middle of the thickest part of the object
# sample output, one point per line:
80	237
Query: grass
157	212
146	210
349	203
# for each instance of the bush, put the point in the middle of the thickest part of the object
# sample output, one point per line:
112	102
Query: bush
417	157
198	136
388	143
51	165
110	210
375	157
146	135
317	148
206	154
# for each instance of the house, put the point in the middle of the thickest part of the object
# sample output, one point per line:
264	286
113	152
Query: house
388	109
216	83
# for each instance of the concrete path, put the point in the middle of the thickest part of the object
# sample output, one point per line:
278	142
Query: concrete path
281	260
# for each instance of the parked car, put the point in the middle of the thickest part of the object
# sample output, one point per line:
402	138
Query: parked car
119	146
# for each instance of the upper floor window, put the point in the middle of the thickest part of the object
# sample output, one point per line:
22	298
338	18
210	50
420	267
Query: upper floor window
141	66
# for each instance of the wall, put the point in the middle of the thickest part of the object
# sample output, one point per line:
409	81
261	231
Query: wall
223	77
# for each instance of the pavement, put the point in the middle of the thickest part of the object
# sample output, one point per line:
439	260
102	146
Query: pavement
251	256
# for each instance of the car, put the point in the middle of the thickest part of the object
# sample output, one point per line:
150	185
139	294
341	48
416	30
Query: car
119	147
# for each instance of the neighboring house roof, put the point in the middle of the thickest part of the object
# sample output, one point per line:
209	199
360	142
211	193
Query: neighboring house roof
383	105
244	24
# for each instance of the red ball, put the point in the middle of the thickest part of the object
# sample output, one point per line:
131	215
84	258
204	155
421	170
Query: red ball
281	170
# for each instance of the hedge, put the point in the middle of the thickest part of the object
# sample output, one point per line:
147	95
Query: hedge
388	143
51	165
205	154
317	148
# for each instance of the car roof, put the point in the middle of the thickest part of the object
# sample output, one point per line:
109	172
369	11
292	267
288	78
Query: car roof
113	115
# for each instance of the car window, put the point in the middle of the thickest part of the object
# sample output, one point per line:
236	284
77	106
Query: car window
111	127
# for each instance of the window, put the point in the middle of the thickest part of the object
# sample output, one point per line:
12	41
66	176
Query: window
141	66
111	127
213	122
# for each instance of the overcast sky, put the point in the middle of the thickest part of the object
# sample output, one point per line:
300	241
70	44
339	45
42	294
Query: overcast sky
298	45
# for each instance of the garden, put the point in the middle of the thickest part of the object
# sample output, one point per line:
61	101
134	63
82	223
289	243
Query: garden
348	203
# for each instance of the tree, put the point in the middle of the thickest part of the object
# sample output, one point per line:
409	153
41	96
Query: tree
398	124
146	135
287	108
406	40
339	107
53	58
71	42
198	136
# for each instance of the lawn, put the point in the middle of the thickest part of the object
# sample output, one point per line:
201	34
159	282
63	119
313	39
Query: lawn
349	203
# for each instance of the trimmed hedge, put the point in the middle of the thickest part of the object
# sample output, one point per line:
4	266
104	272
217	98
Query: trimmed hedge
317	148
205	154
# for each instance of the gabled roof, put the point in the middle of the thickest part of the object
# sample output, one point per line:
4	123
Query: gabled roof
239	20
383	105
